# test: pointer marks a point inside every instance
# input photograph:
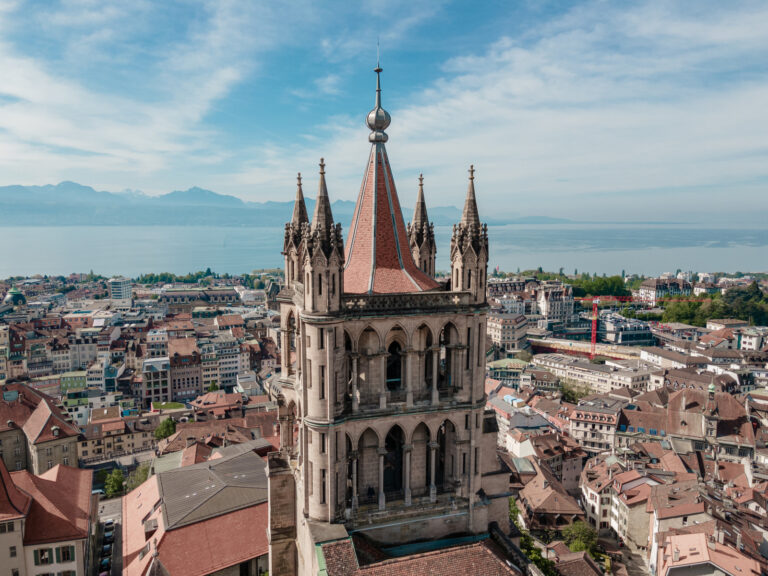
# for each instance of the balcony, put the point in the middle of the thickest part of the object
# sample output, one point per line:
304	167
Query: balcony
368	513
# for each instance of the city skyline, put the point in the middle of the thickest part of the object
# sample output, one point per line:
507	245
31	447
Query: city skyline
567	110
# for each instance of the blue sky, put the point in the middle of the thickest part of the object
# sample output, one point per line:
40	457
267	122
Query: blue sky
590	110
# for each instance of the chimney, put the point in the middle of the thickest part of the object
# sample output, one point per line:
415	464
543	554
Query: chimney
676	555
738	541
720	536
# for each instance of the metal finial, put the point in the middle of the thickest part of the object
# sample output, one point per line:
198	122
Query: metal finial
421	180
471	171
322	165
378	119
298	179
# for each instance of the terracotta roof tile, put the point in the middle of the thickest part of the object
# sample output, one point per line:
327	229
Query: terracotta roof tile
61	504
13	502
378	257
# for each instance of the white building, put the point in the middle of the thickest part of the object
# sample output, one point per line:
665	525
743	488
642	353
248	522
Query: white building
120	290
599	378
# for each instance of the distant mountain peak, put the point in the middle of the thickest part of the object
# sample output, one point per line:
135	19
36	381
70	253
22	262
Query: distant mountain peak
197	196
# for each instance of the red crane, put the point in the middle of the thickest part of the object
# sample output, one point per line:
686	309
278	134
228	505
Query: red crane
597	299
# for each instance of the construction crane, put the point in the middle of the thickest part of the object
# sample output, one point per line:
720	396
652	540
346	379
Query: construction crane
596	300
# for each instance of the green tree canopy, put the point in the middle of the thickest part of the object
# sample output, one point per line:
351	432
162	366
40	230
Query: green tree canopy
166	428
113	485
580	536
137	477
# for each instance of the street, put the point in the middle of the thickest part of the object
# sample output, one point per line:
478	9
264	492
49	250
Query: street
111	510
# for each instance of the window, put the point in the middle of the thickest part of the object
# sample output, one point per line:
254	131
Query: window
323	443
43	556
65	554
320	339
12	551
65	461
322	496
320	284
463	462
322	382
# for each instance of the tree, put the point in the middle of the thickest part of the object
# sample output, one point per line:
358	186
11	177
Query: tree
213	387
137	477
524	355
580	536
573	392
113	486
166	428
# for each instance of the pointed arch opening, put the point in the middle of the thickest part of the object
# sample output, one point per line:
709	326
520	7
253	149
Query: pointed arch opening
449	338
393	463
395	367
368	467
445	472
421	464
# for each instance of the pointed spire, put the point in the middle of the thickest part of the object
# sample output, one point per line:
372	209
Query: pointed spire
299	207
420	212
322	218
470	215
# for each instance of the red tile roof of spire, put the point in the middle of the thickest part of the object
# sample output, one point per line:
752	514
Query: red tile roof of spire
378	258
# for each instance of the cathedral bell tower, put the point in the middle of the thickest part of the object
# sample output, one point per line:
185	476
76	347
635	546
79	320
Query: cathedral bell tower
381	395
469	249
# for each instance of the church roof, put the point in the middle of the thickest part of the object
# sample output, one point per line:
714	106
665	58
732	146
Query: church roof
378	257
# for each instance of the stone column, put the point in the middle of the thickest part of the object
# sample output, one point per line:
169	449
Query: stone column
286	433
407	448
383	380
355	391
433	446
354	480
382	497
409	377
435	370
286	353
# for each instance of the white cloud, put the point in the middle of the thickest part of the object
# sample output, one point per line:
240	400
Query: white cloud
587	116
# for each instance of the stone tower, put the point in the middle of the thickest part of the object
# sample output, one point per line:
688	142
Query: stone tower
381	392
421	235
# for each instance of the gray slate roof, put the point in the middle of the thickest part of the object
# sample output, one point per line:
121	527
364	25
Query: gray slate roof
201	491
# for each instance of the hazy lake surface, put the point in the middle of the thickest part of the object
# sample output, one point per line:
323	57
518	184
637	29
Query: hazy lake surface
601	248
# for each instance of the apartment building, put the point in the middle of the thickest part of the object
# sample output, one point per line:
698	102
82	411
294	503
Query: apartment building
594	421
154	384
507	332
111	438
600	378
186	369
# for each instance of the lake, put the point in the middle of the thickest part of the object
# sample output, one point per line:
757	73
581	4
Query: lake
602	248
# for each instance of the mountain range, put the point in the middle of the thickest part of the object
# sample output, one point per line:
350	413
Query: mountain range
73	204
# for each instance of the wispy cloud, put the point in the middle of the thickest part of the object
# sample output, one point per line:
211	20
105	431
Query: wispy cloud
582	115
593	111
